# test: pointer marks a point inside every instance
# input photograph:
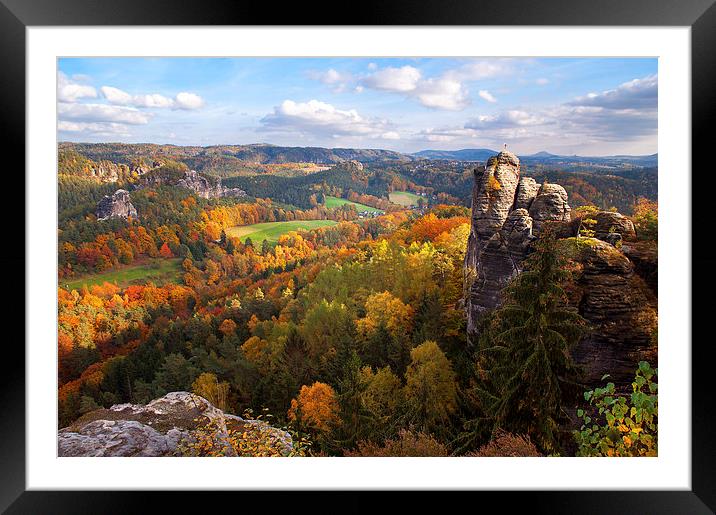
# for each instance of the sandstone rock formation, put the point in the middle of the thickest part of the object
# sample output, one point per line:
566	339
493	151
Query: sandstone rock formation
157	428
509	212
192	180
117	205
609	222
620	308
107	171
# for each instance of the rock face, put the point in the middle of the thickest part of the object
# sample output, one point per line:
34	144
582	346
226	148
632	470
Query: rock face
117	205
620	308
609	222
107	171
194	181
549	205
509	212
156	429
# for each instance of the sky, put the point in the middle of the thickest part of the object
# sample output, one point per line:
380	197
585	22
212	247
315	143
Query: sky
584	106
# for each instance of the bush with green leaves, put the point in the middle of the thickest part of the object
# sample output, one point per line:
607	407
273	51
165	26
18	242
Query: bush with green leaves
621	425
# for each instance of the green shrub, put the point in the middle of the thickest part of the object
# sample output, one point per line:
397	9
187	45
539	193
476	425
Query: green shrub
623	426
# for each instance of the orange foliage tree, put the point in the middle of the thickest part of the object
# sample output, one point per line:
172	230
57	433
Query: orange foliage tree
316	408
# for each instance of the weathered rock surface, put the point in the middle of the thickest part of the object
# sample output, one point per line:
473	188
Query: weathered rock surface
107	171
203	186
609	222
620	308
117	205
526	192
618	304
549	205
496	244
644	256
156	429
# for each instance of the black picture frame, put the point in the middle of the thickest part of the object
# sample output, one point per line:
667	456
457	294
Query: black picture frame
700	15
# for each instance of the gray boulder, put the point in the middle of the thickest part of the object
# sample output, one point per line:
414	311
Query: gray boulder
160	428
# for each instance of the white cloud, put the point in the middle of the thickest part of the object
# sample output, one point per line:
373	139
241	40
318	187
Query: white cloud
486	95
442	94
542	81
101	113
481	69
97	129
337	80
183	100
400	80
636	94
323	119
71	91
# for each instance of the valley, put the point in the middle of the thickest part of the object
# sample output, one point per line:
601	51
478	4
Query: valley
366	299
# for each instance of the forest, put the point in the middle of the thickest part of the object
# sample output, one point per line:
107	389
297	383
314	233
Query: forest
351	337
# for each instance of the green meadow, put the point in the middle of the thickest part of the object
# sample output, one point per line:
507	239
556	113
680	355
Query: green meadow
271	231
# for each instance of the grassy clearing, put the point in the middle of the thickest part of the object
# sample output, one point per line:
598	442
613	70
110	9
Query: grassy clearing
159	271
332	202
271	231
404	198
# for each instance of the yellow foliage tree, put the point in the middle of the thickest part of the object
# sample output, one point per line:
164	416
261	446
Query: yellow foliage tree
430	387
207	385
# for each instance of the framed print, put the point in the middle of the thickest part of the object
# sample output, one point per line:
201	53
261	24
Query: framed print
417	252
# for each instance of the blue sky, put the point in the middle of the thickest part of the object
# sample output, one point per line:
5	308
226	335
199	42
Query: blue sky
586	106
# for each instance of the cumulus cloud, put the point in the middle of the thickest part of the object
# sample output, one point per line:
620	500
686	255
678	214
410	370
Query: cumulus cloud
71	91
97	129
101	113
438	93
635	94
399	80
542	81
442	94
626	113
487	96
338	81
505	119
323	119
482	69
183	100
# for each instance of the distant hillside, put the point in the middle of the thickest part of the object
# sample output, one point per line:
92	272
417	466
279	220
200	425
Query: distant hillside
225	159
468	154
543	157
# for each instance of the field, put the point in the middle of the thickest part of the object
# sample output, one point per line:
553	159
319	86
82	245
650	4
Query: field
164	271
336	202
271	231
404	198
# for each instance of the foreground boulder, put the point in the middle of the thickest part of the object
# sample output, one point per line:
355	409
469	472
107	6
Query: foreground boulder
117	205
164	427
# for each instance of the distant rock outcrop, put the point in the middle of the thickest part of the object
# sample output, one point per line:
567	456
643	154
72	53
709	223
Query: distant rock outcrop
509	212
203	186
158	428
107	171
117	205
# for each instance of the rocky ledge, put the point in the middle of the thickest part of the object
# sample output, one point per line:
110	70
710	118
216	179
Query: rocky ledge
117	205
159	428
